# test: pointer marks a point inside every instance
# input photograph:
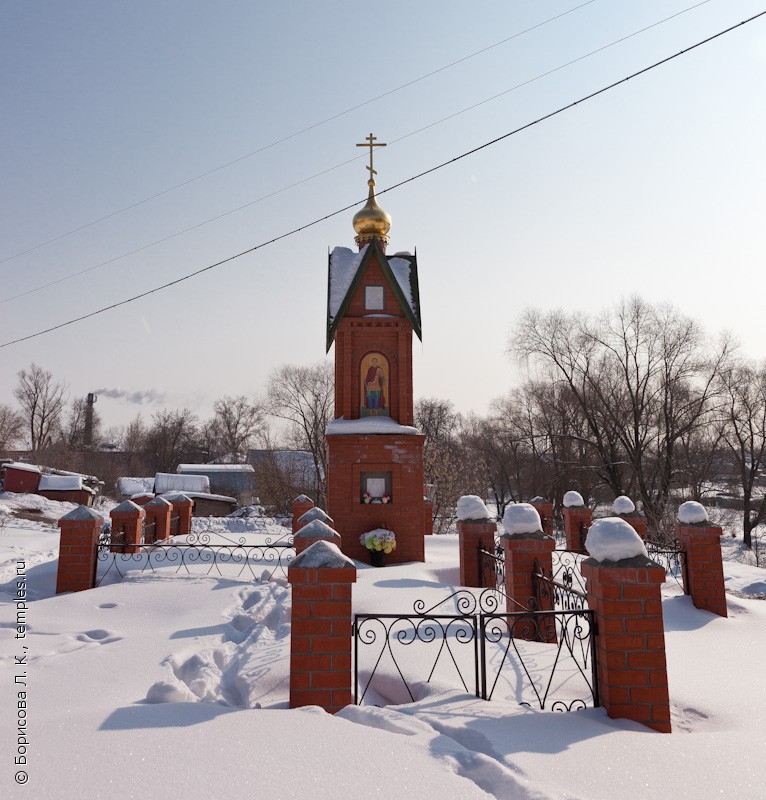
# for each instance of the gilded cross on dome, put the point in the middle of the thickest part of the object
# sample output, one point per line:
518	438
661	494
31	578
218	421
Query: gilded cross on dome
371	142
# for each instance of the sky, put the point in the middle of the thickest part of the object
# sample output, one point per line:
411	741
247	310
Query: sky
652	188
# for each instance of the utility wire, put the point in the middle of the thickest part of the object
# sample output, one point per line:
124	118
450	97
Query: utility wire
411	179
290	136
260	199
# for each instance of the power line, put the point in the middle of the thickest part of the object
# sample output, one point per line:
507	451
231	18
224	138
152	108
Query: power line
260	199
411	179
290	136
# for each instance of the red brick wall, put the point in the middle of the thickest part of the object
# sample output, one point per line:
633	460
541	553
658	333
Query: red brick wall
350	455
703	573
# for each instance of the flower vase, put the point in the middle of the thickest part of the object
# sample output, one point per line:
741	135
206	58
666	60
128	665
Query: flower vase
377	558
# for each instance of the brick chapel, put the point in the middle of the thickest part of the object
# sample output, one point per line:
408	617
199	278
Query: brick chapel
374	453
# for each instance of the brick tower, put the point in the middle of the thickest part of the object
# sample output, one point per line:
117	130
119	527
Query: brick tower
374	454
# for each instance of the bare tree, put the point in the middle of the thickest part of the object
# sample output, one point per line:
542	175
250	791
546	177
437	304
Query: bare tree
42	401
744	434
11	426
171	439
236	424
644	378
73	426
303	396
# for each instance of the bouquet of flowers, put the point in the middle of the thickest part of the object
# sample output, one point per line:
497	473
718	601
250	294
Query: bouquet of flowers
379	539
386	497
367	497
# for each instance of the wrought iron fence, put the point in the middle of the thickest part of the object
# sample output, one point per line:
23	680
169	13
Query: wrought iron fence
542	659
559	594
671	557
195	555
565	569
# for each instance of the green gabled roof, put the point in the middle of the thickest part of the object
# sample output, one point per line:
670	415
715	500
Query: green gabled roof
411	311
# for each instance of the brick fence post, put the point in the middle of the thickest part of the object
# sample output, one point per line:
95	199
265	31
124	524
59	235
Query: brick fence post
300	506
80	530
577	520
127	524
315	531
315	513
624	595
700	543
158	513
183	506
473	533
545	510
321	578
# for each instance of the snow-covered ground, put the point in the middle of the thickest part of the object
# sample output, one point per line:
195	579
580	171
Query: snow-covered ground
169	684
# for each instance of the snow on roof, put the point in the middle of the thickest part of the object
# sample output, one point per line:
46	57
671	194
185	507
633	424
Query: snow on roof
23	467
168	482
60	483
205	468
470	506
369	425
521	518
202	496
691	512
613	539
344	263
131	486
401	268
573	500
623	505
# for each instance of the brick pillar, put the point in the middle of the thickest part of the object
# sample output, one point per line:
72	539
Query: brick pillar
300	506
545	510
127	524
80	529
521	551
577	520
315	513
182	505
637	522
158	512
315	531
472	533
703	566
630	646
321	627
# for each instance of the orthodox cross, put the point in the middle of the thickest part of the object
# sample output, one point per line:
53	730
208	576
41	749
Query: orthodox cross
371	141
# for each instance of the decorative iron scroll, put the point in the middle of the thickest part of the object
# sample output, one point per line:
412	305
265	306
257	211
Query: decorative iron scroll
540	659
669	556
561	595
522	660
196	555
395	643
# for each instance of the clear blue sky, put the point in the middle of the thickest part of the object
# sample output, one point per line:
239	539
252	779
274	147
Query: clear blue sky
654	188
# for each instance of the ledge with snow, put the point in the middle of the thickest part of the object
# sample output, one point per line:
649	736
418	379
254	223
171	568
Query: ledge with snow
369	425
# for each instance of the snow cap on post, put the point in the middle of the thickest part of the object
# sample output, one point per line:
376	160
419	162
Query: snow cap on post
521	518
127	507
623	505
312	514
80	513
692	512
613	539
316	529
573	500
471	507
322	555
301	498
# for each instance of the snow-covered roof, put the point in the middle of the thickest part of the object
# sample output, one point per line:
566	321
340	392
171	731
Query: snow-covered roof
202	469
169	482
203	496
60	483
345	270
127	487
23	467
369	425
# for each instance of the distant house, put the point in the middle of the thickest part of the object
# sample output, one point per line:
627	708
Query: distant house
66	488
233	479
196	487
297	466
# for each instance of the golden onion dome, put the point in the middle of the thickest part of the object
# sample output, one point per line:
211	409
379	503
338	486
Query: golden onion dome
371	220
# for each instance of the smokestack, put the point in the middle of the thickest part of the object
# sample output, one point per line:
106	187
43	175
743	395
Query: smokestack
90	401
